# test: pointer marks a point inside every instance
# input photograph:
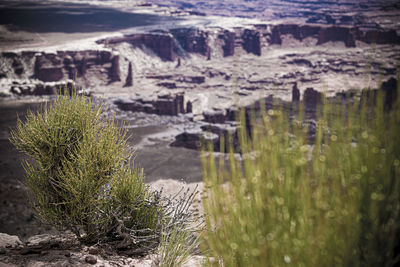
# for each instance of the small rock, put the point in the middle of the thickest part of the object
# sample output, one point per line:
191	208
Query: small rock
9	241
91	259
67	253
93	250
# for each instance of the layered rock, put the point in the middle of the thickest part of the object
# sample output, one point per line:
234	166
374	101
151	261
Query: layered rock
60	65
171	105
228	47
161	43
39	88
180	42
251	42
196	139
381	37
334	34
192	40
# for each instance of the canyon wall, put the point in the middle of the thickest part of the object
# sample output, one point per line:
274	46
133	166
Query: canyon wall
180	42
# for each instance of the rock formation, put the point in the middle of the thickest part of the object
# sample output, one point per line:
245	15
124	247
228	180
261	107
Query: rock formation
115	75
312	98
252	42
129	77
192	40
335	34
167	104
229	43
295	93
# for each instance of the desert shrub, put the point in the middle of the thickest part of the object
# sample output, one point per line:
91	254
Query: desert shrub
81	177
177	242
334	201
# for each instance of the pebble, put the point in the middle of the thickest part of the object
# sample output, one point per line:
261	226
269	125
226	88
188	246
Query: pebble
91	259
93	250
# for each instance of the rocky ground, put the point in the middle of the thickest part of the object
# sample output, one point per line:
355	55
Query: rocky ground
65	250
175	71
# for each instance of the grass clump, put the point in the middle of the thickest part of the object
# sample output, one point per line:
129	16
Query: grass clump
332	202
81	177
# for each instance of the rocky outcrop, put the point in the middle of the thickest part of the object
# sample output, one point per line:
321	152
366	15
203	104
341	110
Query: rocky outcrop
334	34
167	104
227	133
39	88
275	36
322	33
161	43
295	93
381	37
180	42
50	74
312	98
129	77
228	46
251	42
196	139
57	66
115	75
18	66
214	116
192	40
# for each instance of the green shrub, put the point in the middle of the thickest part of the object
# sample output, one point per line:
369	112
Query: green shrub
81	178
332	202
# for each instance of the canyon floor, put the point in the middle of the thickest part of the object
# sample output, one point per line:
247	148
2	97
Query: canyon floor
175	71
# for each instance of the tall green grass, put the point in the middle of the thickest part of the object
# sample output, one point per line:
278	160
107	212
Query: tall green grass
334	201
